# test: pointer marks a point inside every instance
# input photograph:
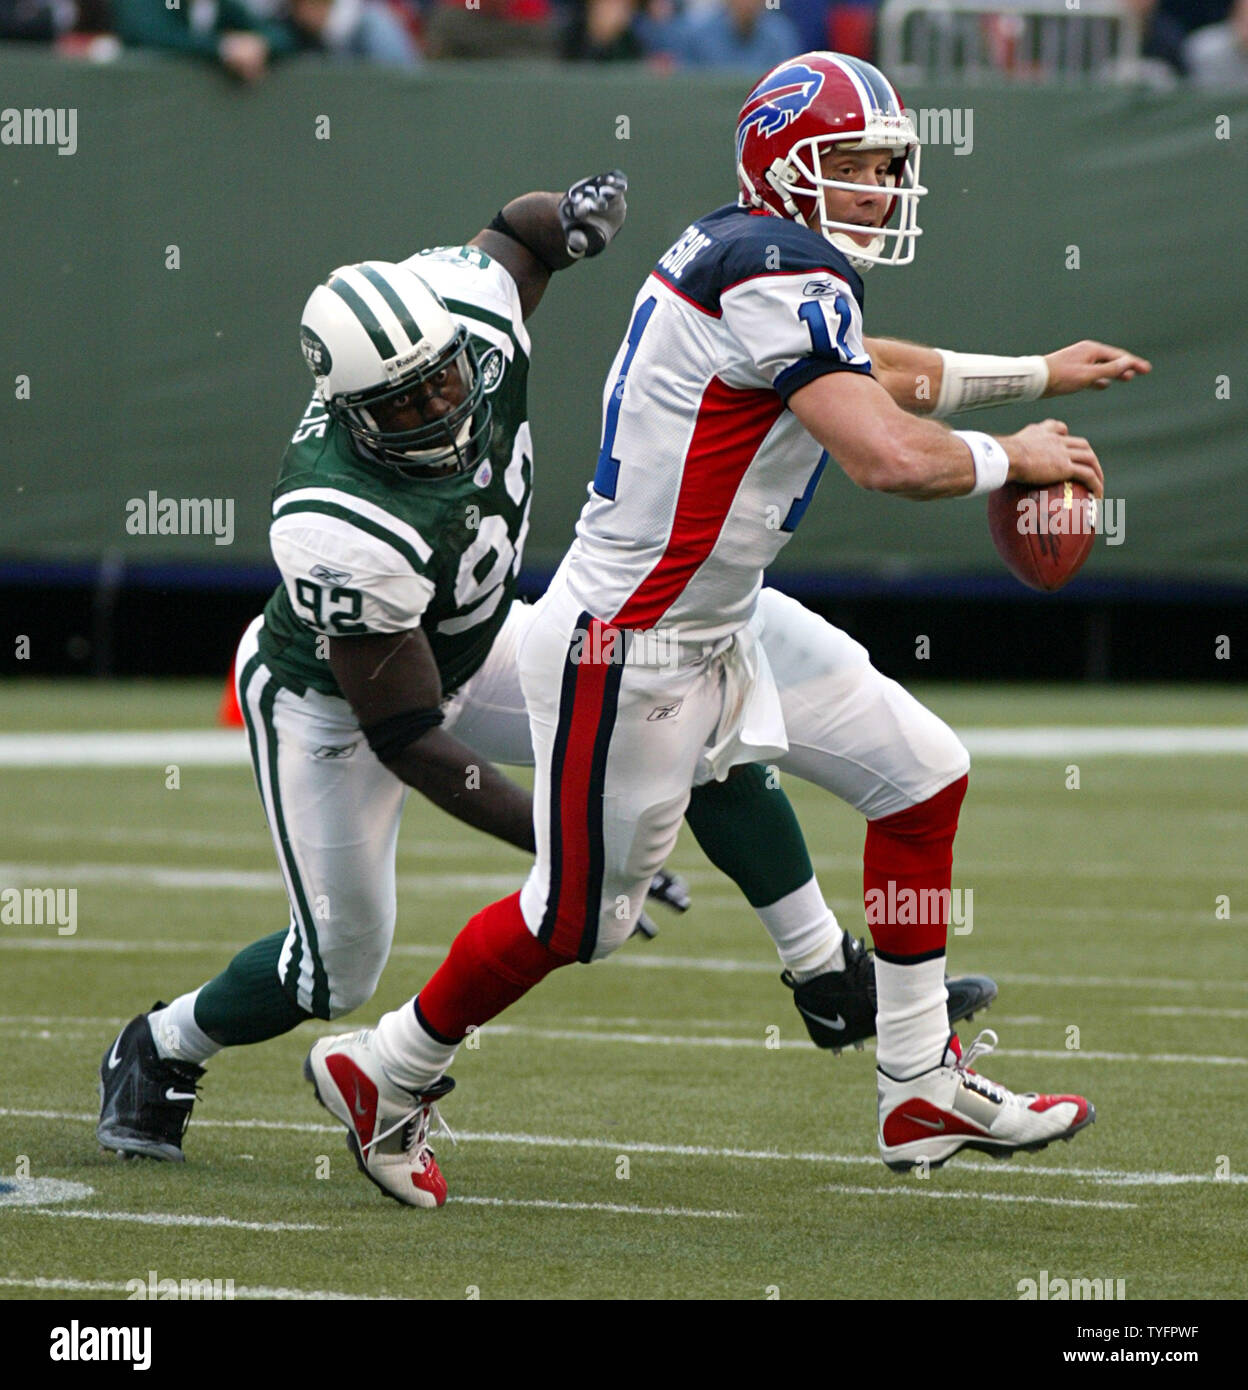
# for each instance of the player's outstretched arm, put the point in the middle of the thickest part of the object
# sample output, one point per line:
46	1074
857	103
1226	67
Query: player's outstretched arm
393	686
884	449
1091	365
938	382
540	233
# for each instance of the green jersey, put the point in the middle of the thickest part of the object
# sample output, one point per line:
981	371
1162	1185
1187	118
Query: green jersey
362	549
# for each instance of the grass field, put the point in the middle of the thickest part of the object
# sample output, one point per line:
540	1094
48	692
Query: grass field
626	1131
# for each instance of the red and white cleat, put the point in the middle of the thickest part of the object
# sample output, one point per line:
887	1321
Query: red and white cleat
386	1125
928	1118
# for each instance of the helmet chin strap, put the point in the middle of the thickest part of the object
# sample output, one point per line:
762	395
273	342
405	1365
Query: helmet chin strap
853	252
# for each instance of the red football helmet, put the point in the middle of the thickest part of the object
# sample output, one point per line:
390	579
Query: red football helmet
802	112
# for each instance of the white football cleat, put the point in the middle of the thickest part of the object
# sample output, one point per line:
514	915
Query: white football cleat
386	1125
928	1118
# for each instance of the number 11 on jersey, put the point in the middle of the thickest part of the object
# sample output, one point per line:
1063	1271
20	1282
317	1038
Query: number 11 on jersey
607	474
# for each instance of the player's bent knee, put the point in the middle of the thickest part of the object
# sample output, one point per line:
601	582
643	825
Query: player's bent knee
354	976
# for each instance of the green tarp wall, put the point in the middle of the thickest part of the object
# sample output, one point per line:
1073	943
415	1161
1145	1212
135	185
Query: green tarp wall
188	381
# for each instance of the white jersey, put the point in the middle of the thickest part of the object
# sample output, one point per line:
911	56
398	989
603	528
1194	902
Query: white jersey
703	473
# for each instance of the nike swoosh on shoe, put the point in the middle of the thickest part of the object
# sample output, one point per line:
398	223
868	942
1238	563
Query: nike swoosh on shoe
837	1022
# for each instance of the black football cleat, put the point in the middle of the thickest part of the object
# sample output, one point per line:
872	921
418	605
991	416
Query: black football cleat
838	1007
145	1099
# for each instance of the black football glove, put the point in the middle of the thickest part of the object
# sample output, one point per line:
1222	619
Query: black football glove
592	211
669	889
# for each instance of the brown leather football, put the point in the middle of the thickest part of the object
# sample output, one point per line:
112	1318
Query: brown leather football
1044	534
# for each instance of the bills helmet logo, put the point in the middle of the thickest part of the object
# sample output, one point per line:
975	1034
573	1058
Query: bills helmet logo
778	101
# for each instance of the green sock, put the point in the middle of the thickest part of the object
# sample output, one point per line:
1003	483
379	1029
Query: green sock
246	1003
748	830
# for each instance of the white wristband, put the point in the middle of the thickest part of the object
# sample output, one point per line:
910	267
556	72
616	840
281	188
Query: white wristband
992	464
970	380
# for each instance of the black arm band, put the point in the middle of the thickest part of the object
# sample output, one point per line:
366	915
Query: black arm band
500	224
389	737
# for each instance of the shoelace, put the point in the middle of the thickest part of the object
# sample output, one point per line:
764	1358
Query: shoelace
421	1115
190	1080
985	1042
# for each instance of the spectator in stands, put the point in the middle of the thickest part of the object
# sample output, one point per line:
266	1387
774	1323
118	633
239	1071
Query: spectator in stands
1217	55
745	34
224	30
492	29
246	35
1167	23
602	31
45	21
366	29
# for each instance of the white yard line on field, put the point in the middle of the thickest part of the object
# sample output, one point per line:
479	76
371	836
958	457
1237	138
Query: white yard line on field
1114	1177
632	957
240	880
976	1197
163	1218
12	1281
760	1043
591	1206
228	747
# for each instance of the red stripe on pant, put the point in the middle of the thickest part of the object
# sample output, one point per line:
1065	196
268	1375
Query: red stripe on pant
907	867
578	762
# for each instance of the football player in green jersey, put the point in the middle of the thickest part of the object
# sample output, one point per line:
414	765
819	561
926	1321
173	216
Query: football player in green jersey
385	660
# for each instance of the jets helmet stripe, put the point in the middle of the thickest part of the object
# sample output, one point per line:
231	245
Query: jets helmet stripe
372	324
391	296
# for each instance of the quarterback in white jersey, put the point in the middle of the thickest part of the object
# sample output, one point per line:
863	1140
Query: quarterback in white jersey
744	369
704	474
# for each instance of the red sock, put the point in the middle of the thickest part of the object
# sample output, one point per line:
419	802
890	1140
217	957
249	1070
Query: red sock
492	962
907	866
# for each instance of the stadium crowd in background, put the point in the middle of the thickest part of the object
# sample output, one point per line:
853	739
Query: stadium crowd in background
1203	40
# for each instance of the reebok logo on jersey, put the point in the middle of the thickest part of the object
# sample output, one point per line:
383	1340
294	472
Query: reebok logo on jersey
664	712
335	750
814	288
328	576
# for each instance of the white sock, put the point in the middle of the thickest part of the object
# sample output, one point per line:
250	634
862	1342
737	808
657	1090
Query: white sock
912	1018
409	1056
805	931
178	1036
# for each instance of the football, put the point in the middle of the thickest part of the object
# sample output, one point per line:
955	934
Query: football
1044	534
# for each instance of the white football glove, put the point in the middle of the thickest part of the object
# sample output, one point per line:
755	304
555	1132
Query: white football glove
592	211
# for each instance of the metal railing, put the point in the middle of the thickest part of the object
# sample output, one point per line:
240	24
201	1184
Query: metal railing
1038	40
